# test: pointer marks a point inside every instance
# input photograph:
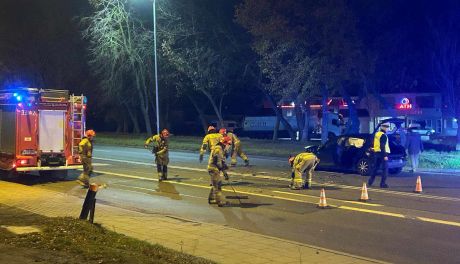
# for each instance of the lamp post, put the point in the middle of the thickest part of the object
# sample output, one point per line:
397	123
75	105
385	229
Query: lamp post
156	67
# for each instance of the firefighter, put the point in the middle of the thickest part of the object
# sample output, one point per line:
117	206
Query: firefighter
381	150
85	149
209	141
160	149
216	165
236	149
303	163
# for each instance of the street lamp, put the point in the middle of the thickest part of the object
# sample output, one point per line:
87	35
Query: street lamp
155	62
156	66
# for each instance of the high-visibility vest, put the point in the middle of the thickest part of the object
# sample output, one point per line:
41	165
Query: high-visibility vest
377	147
302	157
209	141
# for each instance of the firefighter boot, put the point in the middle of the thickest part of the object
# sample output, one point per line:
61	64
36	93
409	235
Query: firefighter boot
212	197
160	172
246	162
83	180
165	172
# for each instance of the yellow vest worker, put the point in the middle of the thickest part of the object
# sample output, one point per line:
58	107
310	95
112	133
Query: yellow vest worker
237	150
161	152
381	150
302	163
377	143
85	149
209	141
216	165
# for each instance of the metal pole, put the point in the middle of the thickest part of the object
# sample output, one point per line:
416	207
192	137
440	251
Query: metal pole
156	71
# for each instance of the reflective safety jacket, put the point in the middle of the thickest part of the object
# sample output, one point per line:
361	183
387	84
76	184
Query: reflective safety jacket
209	141
235	139
380	139
85	148
216	160
301	158
160	145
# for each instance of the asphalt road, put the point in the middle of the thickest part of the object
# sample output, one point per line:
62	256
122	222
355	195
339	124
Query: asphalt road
397	225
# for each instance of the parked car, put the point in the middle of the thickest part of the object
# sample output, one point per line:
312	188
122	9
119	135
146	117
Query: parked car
420	128
353	153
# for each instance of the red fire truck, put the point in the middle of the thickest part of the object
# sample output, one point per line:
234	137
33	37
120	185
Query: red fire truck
40	130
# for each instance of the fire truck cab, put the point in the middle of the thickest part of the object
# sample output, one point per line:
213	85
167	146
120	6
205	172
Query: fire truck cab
40	130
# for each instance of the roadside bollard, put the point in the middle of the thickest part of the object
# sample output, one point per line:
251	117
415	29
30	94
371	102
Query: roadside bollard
89	205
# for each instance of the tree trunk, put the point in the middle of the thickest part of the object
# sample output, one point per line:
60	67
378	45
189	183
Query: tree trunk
143	98
300	118
276	129
214	106
457	147
306	128
125	125
200	113
353	119
133	116
325	116
280	116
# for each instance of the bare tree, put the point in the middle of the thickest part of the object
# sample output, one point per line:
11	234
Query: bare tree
445	43
206	53
119	55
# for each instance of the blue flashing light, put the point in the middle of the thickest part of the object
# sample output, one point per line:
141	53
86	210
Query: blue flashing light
15	94
19	98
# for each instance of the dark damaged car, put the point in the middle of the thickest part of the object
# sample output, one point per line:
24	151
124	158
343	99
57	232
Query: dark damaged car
354	153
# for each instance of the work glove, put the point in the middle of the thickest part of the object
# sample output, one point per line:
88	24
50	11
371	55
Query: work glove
201	158
146	146
226	176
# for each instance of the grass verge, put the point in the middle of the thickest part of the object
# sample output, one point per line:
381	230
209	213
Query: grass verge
440	160
68	240
176	143
428	159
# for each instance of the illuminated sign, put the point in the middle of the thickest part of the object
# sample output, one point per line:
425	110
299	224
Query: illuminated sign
404	104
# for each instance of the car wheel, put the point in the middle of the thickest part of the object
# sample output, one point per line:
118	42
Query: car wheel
395	170
363	167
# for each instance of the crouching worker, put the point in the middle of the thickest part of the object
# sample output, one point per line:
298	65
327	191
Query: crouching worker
303	163
160	149
85	149
216	165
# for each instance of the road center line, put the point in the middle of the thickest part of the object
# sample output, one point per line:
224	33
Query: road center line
424	219
443	198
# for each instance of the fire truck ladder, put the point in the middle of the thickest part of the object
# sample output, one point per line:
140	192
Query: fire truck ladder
77	121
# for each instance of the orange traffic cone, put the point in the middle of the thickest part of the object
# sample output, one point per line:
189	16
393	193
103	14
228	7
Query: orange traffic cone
364	195
418	185
322	200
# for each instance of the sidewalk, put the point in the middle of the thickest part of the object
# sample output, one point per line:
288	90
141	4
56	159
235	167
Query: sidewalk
218	243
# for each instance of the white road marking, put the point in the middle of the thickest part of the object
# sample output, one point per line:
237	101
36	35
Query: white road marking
390	214
443	198
100	164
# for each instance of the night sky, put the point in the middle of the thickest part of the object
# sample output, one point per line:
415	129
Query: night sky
41	46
